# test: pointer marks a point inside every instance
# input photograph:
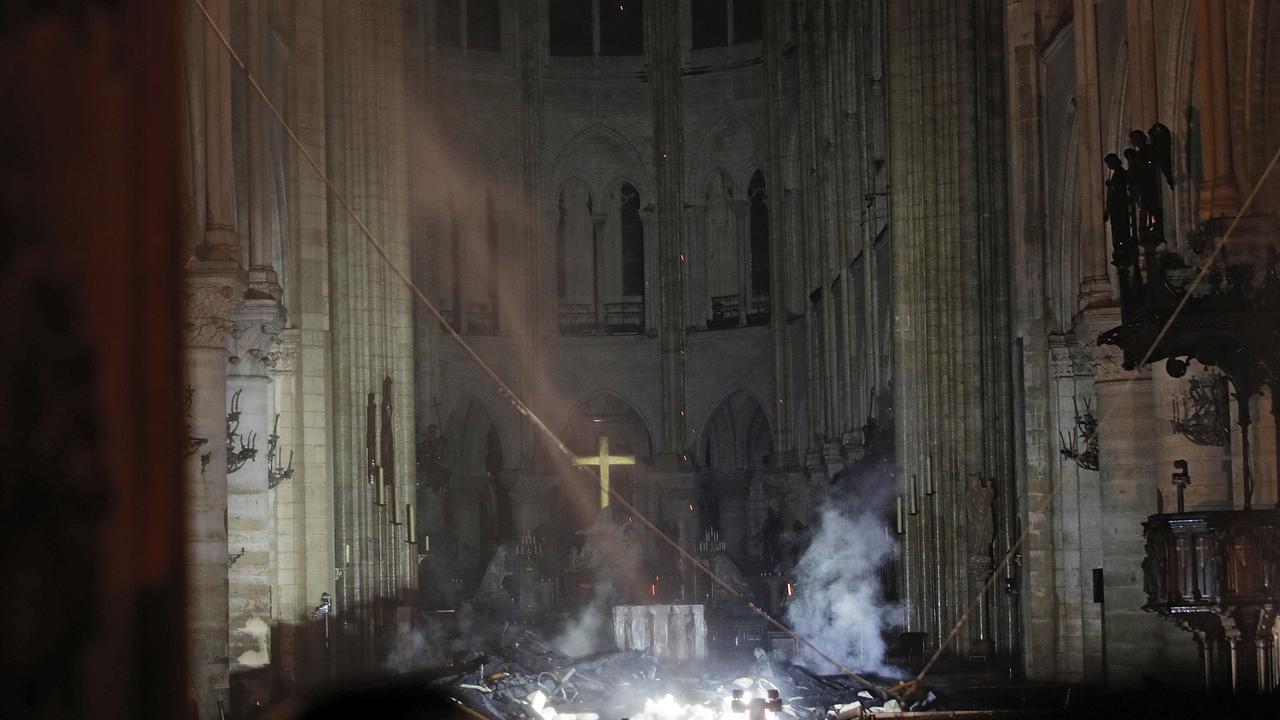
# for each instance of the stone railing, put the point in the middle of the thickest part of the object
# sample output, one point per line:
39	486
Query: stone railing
726	312
577	319
758	314
624	318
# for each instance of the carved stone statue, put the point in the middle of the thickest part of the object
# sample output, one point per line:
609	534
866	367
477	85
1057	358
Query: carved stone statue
1144	178
1162	150
1118	211
980	497
495	589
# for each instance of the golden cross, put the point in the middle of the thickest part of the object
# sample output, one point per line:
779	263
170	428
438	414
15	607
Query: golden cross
604	460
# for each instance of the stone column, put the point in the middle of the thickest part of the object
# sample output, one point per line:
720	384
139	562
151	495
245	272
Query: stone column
1095	283
221	241
651	273
598	222
952	359
210	298
1218	195
664	38
249	528
1132	639
695	266
288	547
262	239
1144	91
547	307
774	36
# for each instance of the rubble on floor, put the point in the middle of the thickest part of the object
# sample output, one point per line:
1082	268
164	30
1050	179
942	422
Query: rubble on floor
531	680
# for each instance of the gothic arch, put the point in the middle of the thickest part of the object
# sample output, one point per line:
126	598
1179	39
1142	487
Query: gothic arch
747	175
731	142
476	441
736	434
478	505
606	412
597	154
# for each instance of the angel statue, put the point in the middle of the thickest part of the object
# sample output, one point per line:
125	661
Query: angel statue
1149	158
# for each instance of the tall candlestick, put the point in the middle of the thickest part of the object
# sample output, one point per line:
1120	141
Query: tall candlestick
915	495
395	512
381	498
426	543
928	476
899	503
346	554
411	534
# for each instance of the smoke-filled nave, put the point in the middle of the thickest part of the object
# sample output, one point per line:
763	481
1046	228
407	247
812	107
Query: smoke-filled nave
642	359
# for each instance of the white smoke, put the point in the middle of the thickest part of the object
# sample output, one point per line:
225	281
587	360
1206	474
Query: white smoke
839	605
581	635
425	646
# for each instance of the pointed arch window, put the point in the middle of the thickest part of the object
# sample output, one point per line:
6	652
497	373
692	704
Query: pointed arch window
632	242
624	282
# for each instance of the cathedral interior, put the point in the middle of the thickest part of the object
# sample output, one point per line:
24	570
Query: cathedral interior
650	359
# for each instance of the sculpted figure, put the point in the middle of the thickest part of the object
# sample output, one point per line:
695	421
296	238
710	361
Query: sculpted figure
979	505
1118	211
1144	178
1162	150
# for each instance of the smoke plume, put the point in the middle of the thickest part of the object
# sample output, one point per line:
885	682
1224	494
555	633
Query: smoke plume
425	646
839	604
581	635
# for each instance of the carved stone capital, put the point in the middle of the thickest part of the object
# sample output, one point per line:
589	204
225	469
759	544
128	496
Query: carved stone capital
1106	364
209	303
282	359
1060	361
258	324
1066	357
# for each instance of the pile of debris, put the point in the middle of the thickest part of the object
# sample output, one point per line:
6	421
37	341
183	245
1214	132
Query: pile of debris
531	680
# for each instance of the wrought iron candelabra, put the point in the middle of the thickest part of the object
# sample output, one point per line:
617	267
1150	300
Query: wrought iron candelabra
276	473
1086	432
194	443
240	449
